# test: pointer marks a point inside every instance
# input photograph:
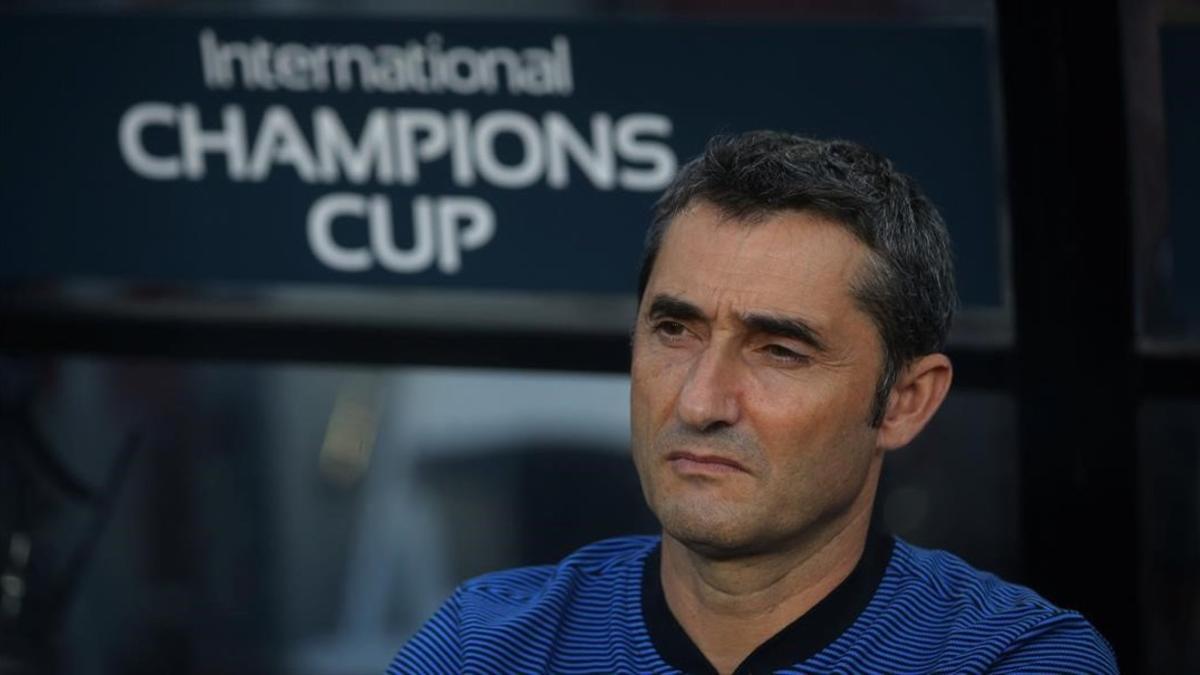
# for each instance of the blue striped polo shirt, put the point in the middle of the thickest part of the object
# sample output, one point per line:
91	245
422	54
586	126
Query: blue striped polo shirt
903	609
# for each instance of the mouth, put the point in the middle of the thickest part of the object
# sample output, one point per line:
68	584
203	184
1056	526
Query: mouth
690	462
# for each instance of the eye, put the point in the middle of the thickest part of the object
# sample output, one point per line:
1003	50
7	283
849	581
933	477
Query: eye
781	353
672	333
670	329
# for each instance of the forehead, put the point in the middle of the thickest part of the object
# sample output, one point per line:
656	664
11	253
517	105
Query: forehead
795	262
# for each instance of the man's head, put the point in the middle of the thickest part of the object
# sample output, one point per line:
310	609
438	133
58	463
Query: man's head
908	286
793	298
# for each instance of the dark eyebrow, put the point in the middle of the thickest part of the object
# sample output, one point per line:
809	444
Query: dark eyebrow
670	306
788	327
673	307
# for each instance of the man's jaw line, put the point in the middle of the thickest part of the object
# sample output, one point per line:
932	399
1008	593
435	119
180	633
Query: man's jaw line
750	581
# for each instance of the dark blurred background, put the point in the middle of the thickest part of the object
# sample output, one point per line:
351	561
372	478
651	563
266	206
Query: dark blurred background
220	454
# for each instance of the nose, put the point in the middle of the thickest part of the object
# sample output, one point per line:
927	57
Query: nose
709	399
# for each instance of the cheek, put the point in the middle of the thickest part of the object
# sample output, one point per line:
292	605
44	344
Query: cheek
641	404
806	426
653	386
646	393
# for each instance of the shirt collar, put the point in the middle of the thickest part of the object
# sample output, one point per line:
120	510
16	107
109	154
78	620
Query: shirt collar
798	641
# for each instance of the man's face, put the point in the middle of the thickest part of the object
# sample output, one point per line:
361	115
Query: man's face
752	381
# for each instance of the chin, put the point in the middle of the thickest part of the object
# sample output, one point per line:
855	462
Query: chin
711	531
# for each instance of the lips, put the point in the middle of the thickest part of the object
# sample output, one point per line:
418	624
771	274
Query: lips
701	461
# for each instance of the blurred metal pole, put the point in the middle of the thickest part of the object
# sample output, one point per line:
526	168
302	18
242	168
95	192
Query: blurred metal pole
1070	194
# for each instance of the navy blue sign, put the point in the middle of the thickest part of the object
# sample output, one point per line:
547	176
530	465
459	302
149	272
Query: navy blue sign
515	156
1181	98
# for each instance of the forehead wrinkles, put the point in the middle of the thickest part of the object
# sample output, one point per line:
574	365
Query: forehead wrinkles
802	268
704	232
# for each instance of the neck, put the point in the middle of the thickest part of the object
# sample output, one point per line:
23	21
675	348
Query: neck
729	607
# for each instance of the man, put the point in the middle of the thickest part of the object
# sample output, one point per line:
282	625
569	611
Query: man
794	298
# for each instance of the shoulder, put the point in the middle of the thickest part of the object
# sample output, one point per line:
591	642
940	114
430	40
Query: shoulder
950	586
978	619
593	563
516	619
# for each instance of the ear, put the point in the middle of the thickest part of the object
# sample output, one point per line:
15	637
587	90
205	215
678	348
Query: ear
916	396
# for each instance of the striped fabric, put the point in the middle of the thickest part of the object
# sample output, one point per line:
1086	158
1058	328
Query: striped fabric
931	612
